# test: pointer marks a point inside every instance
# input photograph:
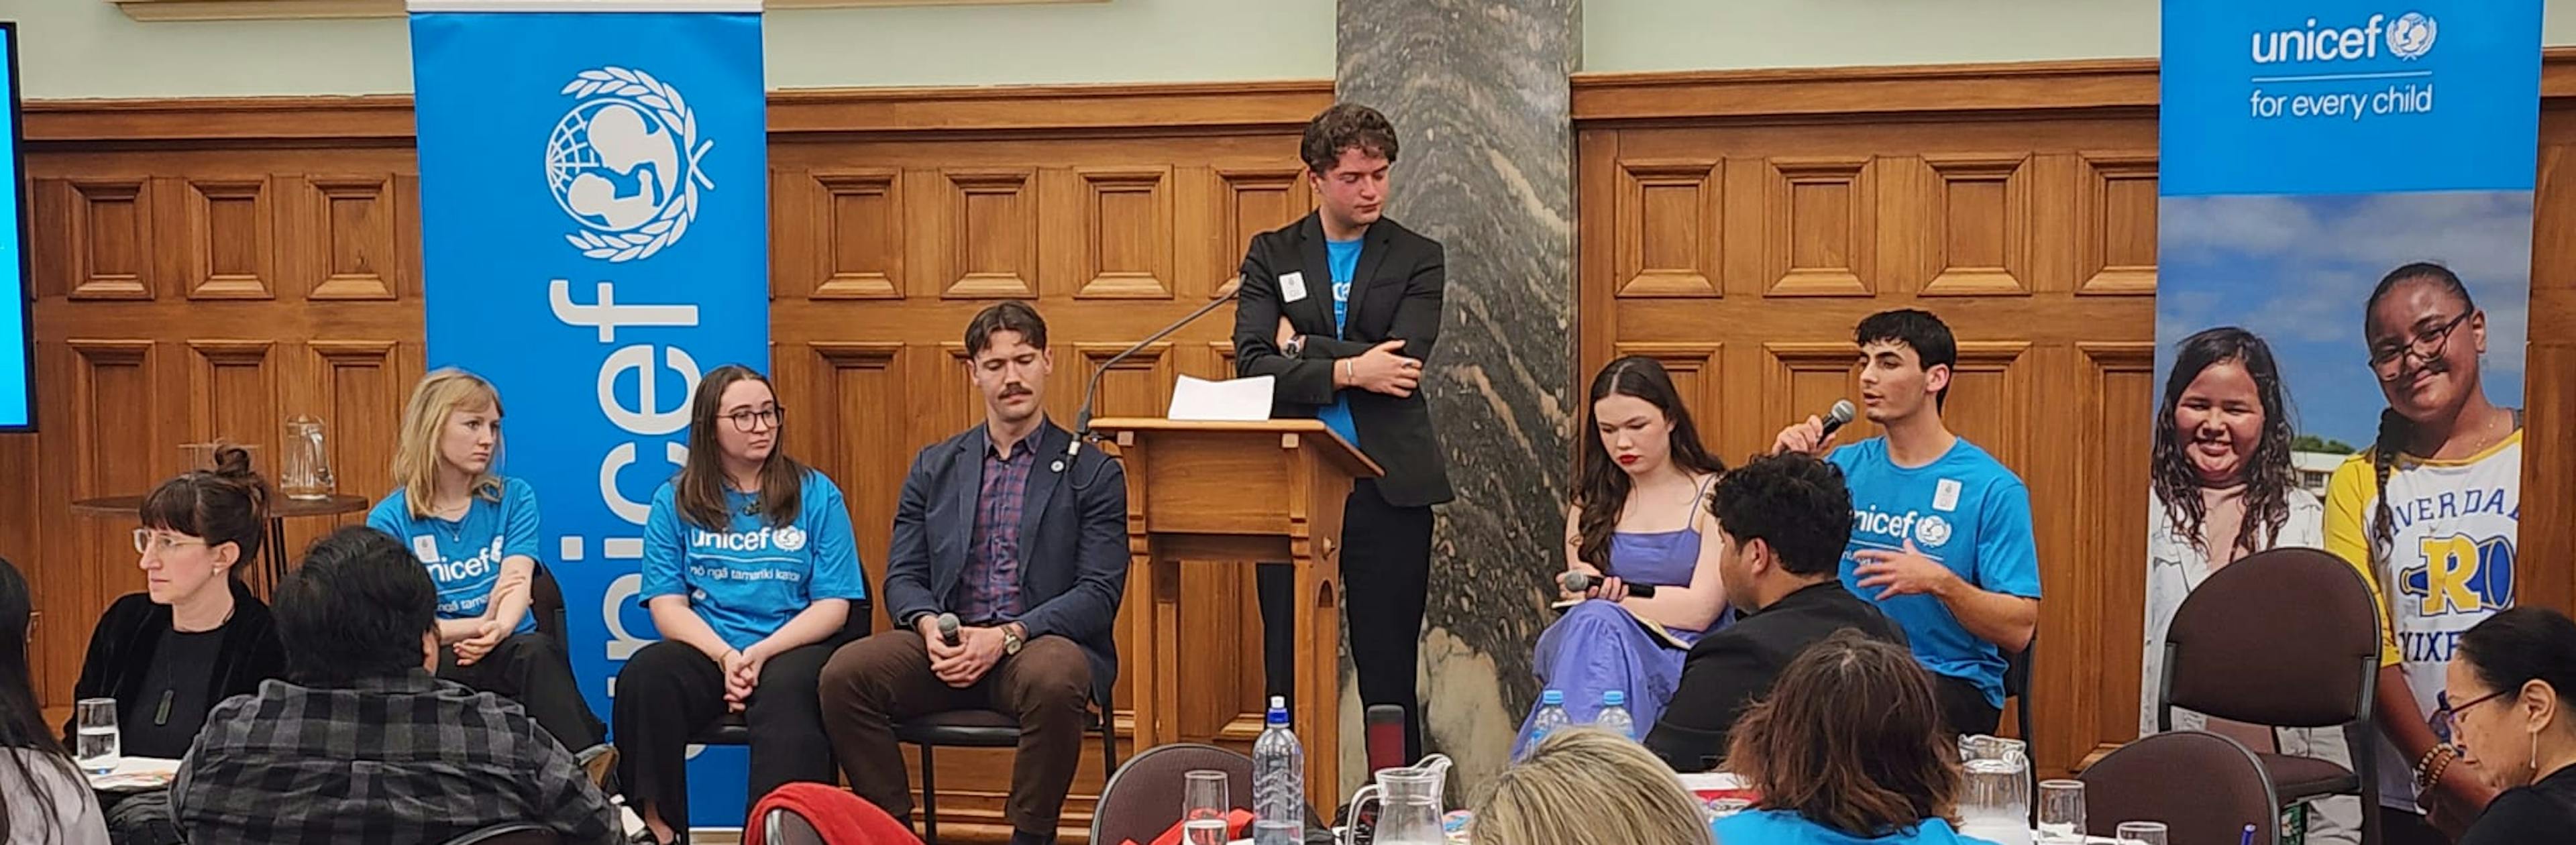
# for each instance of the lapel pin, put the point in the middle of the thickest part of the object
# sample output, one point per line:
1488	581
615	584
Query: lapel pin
1056	467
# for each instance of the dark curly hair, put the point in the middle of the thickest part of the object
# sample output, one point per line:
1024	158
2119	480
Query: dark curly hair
1345	126
2268	475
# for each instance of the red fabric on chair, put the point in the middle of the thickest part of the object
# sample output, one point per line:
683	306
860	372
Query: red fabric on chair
841	818
1236	824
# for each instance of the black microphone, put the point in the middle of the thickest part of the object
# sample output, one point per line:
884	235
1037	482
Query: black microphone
1576	582
948	629
1082	418
1836	418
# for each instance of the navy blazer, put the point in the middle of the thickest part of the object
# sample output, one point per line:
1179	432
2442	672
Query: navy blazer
1073	541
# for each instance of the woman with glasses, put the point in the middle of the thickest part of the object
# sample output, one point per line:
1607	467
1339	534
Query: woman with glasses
2509	703
750	572
195	635
2429	515
476	534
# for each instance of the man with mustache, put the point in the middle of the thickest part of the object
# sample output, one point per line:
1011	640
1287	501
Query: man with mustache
1342	307
1027	548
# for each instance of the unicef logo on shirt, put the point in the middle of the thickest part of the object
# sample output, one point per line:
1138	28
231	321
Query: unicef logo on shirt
623	163
788	539
2410	36
1932	531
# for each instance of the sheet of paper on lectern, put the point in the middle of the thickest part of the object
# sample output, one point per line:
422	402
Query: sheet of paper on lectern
1232	400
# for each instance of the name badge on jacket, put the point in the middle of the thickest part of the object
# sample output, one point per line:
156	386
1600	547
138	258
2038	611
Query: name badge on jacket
1292	287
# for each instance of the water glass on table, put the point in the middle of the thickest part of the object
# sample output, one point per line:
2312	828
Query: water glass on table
2142	833
94	736
2061	811
1204	805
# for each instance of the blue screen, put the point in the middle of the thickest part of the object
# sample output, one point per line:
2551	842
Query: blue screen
14	399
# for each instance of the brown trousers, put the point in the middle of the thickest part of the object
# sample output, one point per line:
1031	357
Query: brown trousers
872	683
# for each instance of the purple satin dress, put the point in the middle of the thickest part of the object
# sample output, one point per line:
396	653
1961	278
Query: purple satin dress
1597	646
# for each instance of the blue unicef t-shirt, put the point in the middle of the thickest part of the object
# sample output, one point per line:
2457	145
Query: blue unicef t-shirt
1964	511
464	555
749	579
1344	259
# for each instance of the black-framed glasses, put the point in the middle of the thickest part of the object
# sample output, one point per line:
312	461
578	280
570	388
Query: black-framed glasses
748	420
2425	345
2446	714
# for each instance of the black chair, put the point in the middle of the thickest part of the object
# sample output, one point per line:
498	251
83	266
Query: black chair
731	730
514	833
2232	653
2203	786
1143	798
990	729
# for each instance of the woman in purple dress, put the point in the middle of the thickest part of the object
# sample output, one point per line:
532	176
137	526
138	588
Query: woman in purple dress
1639	517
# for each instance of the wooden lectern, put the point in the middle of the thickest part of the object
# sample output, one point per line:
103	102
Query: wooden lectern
1239	494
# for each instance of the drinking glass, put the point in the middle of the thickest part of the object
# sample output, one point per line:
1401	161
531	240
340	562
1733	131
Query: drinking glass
1203	807
2142	833
94	736
2061	811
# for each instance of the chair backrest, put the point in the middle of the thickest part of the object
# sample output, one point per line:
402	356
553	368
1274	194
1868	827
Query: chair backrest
2234	652
787	828
782	819
545	598
2204	787
514	833
1143	798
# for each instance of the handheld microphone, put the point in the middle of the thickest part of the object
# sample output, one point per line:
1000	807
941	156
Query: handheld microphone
1576	582
1082	418
948	629
1836	418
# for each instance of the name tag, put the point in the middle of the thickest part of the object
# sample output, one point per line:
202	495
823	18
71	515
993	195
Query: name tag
1945	495
425	547
1292	287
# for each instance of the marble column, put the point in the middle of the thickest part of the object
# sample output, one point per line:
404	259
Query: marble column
1477	91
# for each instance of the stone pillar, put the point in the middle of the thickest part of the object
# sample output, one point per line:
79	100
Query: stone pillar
1478	94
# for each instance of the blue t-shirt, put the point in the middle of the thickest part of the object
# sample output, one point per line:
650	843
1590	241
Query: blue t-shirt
748	580
464	555
1344	259
1787	827
1964	511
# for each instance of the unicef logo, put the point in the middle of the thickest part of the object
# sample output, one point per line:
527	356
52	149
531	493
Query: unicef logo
790	538
1933	531
2410	36
623	163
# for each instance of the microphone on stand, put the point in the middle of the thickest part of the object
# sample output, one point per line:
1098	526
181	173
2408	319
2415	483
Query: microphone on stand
1576	582
948	629
1082	418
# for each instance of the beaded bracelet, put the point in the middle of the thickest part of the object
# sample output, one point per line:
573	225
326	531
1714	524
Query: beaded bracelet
2428	771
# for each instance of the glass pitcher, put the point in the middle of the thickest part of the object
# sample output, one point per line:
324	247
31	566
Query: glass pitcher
1994	800
1409	804
305	463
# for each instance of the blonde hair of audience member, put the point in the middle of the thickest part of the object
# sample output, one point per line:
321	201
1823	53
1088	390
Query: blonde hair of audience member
1585	786
439	396
1850	738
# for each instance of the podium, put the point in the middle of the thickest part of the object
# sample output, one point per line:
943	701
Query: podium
1239	494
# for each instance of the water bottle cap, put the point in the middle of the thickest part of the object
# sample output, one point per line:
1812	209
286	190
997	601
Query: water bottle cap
1552	697
1277	717
1614	698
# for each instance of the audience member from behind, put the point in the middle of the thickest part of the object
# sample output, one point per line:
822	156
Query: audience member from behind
2510	699
362	743
1586	786
43	800
1781	522
195	635
1848	748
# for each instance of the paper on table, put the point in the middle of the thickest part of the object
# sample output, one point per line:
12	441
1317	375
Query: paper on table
1232	400
135	773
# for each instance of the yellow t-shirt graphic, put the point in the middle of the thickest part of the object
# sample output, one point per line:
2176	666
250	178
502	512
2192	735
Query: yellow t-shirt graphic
2449	563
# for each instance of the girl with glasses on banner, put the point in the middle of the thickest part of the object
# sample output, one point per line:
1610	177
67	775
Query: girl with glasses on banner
195	635
2224	489
476	533
750	572
2430	515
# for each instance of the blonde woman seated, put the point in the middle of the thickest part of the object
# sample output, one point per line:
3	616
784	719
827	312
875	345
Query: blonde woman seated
1848	749
1586	786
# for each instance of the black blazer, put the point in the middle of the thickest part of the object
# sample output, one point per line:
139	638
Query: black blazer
1729	669
1073	541
1394	295
121	647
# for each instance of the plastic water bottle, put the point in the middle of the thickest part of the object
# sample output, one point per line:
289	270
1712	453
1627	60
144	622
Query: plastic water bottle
1278	781
1614	716
1551	716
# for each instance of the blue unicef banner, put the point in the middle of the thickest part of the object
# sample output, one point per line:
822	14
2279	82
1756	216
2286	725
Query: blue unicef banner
594	220
2344	267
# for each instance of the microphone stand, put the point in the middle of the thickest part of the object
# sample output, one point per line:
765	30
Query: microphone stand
1082	418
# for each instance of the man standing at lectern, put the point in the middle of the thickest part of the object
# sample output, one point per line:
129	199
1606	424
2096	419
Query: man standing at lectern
1342	308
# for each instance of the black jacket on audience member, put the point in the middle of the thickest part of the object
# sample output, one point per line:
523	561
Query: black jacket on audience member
1734	666
121	648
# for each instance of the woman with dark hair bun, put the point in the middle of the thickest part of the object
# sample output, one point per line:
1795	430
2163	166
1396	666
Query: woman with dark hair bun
195	635
2509	703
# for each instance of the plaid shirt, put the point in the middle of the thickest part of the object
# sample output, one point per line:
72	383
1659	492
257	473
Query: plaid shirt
991	585
390	761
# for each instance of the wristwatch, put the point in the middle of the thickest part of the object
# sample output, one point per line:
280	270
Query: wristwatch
1296	346
1011	640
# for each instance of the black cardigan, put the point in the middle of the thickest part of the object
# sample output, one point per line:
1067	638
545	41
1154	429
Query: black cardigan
121	647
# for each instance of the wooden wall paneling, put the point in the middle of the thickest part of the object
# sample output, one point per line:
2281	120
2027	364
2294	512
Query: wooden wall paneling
991	233
858	245
2549	372
1126	234
230	234
348	233
1981	244
1669	213
116	424
857	393
2116	235
108	238
1252	201
2096	608
232	397
357	388
1821	216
